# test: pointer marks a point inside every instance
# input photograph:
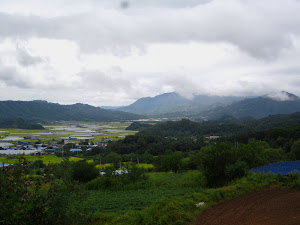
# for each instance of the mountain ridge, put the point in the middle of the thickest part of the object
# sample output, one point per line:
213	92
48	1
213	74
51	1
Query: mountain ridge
43	111
259	107
170	103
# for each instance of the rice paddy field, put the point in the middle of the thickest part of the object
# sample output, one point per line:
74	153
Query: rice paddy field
93	131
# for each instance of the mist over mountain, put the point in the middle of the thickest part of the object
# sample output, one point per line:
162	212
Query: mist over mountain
259	107
204	107
43	111
173	104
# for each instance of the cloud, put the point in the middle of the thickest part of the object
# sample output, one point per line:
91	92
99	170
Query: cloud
25	59
103	82
280	96
294	70
254	27
101	53
9	76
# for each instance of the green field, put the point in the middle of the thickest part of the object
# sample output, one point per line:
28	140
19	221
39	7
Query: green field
127	200
159	185
45	158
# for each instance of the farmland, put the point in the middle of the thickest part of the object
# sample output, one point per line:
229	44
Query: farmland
97	131
127	200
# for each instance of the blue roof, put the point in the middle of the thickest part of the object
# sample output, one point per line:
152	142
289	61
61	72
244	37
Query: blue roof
23	143
75	150
72	138
283	168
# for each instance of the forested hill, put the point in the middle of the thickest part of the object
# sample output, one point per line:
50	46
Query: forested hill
189	128
42	111
19	123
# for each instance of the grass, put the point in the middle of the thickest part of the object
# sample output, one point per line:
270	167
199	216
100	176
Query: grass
45	158
146	166
103	165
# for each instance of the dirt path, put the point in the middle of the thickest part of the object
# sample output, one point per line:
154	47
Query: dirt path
269	206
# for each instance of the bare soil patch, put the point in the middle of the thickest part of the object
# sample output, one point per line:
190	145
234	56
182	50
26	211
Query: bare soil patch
269	206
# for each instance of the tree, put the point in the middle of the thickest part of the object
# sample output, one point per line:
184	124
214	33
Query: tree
83	171
295	150
170	162
220	164
113	158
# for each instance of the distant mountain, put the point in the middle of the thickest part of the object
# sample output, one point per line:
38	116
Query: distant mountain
42	111
259	107
19	123
172	104
110	107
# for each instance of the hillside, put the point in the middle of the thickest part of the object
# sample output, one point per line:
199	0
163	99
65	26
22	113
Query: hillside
44	111
20	124
189	128
172	104
278	103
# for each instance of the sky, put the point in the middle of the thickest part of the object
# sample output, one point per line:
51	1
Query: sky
113	52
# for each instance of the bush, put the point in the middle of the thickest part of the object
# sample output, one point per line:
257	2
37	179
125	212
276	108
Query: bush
134	178
83	171
295	150
193	179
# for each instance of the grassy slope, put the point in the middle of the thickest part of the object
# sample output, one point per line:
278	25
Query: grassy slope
177	209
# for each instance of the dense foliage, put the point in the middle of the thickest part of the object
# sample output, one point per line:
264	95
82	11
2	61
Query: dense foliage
222	163
154	145
52	198
220	127
83	171
138	126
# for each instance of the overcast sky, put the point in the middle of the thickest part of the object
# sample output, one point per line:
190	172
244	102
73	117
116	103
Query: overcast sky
112	52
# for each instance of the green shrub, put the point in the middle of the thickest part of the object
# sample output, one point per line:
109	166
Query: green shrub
193	179
83	171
